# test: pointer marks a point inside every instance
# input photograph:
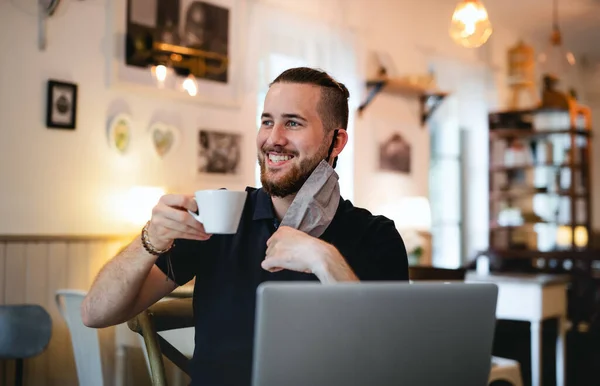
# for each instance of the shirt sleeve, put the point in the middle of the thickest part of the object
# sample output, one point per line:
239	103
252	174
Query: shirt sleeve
386	252
182	263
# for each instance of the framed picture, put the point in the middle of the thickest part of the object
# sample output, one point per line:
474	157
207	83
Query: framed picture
218	152
61	105
395	154
162	45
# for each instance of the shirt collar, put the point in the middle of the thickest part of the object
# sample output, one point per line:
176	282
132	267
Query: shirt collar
264	207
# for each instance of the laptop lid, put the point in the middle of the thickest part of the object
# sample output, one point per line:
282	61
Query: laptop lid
374	333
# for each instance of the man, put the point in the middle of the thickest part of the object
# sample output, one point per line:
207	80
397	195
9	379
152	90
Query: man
303	130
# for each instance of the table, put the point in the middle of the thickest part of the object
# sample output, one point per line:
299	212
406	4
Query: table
532	298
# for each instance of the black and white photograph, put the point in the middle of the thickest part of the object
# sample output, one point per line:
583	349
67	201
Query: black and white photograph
61	109
194	32
219	152
394	154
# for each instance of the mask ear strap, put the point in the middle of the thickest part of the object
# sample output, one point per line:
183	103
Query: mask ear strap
335	133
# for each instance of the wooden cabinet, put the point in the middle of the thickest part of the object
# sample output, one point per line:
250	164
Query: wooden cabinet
540	180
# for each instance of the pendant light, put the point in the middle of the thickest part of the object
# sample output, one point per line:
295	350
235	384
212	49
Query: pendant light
470	26
556	61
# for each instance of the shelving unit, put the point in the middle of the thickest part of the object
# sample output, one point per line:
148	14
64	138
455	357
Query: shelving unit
539	181
429	99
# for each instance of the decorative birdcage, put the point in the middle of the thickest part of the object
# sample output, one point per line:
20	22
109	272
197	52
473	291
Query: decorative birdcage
521	72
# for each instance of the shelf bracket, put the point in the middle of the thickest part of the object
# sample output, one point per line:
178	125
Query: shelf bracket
375	89
46	8
429	103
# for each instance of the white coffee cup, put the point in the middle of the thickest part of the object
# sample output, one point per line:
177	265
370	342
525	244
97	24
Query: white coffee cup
220	211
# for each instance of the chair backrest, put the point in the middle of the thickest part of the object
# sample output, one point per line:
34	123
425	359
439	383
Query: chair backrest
423	273
86	345
25	330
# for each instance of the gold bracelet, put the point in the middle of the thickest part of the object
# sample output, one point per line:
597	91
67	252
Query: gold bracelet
148	246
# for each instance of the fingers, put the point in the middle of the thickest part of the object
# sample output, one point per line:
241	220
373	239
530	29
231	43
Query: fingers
171	220
180	201
272	264
176	230
181	216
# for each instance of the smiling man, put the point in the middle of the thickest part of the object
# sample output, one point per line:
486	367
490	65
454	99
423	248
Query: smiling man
296	227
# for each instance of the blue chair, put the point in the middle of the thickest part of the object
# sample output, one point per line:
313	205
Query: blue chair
25	332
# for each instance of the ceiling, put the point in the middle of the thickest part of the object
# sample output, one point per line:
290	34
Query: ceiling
579	21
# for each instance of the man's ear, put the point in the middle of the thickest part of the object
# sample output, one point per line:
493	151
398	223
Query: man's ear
339	142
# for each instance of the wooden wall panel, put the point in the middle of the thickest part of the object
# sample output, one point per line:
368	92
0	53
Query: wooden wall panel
77	266
14	288
15	274
61	366
36	287
2	270
32	269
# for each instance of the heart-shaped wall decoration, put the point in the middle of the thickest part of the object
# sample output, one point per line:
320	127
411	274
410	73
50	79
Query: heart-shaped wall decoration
119	132
163	137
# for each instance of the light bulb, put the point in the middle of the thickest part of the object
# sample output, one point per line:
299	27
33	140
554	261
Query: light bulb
470	26
159	73
190	85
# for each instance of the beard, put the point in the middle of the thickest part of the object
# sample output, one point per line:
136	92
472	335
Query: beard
291	182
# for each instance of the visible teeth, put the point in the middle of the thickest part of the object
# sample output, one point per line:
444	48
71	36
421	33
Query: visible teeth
278	158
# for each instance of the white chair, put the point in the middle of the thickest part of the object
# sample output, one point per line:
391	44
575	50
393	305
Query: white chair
507	370
86	345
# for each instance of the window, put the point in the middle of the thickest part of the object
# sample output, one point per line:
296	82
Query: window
445	193
458	176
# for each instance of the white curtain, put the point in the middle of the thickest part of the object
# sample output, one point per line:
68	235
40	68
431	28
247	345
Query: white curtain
280	40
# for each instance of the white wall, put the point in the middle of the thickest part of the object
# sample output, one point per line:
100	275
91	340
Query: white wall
63	182
70	182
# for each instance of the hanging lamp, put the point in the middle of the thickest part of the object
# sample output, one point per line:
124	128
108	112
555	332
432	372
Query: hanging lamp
556	60
470	26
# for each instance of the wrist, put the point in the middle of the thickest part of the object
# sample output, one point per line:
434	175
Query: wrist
154	245
325	262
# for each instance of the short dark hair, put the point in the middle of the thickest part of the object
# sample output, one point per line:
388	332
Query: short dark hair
333	105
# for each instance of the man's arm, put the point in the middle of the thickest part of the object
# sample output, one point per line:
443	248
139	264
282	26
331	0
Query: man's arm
292	249
131	281
126	285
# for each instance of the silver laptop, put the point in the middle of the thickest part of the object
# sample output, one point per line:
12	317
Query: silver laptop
374	334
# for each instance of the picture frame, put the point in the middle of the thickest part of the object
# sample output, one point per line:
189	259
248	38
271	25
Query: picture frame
61	105
395	154
147	33
219	152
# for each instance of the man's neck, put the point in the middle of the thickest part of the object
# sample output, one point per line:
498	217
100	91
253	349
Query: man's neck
281	205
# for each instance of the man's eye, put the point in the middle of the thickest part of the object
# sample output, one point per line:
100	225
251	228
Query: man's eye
267	123
293	124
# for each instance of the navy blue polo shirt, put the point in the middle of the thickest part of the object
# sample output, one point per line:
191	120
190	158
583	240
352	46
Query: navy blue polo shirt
227	270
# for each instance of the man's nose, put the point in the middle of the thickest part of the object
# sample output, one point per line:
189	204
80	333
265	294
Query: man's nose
278	135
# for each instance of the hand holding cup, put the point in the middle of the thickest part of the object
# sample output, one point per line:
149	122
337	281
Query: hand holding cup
171	219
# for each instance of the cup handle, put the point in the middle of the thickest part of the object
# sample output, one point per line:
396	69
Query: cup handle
196	216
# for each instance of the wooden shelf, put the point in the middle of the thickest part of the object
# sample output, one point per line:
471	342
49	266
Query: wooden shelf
429	99
495	227
400	87
512	133
563	254
566	176
534	166
507	195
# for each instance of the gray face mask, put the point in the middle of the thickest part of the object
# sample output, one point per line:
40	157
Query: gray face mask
316	202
